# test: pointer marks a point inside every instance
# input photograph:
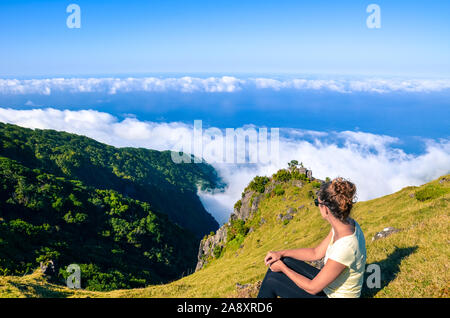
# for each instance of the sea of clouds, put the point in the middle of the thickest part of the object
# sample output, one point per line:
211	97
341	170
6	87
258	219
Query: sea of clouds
374	162
229	84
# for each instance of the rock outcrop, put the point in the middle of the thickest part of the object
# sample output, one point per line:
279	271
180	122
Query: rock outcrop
249	205
245	209
384	233
48	269
208	245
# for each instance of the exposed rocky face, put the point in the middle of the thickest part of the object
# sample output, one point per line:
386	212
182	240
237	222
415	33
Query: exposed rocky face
207	246
246	210
248	206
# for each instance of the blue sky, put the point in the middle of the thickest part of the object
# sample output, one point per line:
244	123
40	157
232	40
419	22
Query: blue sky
129	37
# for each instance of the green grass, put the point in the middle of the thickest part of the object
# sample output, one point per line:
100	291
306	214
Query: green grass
414	261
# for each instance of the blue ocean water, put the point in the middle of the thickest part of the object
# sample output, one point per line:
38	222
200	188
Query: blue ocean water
411	117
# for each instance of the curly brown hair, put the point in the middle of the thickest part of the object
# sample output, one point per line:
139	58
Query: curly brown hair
339	196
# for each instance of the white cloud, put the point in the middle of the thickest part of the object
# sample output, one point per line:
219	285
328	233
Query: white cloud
371	161
119	85
224	84
30	103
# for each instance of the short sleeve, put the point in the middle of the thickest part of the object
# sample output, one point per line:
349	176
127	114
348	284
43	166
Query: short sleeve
343	252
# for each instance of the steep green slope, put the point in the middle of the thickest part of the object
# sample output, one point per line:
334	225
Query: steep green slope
118	242
129	217
414	260
142	174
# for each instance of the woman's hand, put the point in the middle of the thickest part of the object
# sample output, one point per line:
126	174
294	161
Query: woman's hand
277	266
272	257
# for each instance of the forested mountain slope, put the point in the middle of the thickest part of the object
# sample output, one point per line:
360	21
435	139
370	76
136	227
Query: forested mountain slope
142	174
129	217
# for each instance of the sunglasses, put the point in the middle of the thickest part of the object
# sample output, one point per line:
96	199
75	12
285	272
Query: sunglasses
317	203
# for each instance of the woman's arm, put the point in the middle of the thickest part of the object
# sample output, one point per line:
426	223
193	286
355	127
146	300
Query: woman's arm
303	254
328	274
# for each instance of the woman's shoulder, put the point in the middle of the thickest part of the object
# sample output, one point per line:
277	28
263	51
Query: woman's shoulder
351	239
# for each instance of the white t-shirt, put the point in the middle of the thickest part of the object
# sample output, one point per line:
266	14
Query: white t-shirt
349	250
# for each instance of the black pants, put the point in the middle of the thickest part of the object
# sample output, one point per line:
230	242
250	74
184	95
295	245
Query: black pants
278	284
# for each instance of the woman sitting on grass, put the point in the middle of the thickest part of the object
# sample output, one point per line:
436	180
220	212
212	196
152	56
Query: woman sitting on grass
344	250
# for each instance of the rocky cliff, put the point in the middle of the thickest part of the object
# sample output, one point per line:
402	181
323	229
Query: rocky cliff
245	209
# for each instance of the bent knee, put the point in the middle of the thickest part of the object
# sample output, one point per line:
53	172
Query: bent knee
291	261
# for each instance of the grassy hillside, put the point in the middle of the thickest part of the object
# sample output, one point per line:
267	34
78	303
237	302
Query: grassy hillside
414	261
